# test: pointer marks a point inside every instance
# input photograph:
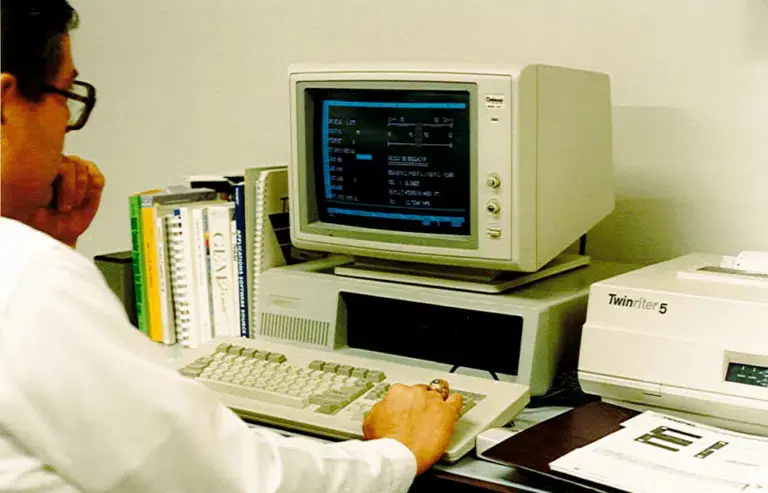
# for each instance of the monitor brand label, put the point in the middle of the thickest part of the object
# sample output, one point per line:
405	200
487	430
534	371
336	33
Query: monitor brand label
494	101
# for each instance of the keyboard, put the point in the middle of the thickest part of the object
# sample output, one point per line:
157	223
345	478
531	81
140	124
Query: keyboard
327	393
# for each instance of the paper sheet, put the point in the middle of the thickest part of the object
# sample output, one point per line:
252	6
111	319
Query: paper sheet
655	453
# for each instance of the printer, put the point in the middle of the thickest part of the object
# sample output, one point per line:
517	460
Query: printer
687	337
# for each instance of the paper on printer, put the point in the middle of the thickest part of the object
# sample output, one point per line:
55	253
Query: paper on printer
746	268
655	453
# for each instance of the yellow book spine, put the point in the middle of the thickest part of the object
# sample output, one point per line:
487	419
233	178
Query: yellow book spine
152	274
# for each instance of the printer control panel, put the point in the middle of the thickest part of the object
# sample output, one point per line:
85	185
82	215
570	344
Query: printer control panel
747	374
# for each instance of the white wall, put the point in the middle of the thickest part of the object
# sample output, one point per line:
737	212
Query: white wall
199	86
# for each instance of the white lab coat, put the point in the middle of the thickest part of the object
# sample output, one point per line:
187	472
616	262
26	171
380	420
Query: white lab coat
88	403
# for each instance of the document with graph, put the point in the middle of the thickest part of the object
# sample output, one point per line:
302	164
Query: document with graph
656	453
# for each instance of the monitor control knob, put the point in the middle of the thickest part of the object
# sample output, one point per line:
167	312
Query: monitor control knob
493	206
493	180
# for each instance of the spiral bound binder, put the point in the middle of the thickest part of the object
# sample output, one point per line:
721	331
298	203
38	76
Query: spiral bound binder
271	190
182	285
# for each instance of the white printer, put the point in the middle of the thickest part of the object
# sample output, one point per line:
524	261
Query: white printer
688	337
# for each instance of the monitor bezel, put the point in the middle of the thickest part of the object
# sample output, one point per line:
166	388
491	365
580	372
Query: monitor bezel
309	218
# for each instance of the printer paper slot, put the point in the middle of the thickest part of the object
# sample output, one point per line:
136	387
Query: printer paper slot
748	268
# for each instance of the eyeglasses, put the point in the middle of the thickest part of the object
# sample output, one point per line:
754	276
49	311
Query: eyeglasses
81	98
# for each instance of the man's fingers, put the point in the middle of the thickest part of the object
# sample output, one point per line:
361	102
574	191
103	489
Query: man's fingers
421	386
456	401
66	183
82	182
97	178
95	186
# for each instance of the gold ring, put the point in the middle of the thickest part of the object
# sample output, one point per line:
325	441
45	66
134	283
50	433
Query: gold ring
441	386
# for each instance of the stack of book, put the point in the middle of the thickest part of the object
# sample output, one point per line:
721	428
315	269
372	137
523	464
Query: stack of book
198	249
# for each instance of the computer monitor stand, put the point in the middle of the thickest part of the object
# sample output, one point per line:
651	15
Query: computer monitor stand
460	278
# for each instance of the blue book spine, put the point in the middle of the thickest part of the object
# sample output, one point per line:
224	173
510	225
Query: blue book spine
242	279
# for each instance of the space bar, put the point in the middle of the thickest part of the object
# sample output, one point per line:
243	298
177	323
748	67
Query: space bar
255	394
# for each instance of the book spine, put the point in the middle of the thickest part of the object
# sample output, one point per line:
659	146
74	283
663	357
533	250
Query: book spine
242	278
137	257
235	279
223	290
164	280
201	274
151	276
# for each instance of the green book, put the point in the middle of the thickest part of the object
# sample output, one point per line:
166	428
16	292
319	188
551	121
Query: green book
137	256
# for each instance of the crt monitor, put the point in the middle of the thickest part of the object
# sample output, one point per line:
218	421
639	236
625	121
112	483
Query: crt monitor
491	168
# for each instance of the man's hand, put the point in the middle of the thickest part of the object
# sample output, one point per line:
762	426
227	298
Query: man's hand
416	417
76	198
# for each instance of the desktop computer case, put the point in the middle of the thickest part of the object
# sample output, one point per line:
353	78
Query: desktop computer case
525	336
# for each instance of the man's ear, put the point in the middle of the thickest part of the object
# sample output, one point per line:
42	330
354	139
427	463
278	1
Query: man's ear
8	88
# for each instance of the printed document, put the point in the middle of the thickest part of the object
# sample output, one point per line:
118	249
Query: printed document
655	453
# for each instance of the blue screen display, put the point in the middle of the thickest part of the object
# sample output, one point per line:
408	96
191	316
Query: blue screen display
393	160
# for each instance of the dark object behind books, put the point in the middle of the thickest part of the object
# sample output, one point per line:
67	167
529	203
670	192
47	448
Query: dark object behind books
117	269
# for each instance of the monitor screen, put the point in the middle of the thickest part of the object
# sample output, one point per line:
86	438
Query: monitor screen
395	160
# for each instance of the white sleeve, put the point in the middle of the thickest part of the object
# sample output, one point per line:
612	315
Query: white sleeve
91	397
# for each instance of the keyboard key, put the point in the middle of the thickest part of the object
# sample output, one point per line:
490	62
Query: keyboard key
468	405
190	372
344	370
327	409
470	395
261	355
277	358
223	347
322	400
337	396
352	392
236	350
316	365
257	394
248	352
375	376
360	372
330	367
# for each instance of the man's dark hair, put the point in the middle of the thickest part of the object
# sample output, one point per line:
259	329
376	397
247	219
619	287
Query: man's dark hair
31	42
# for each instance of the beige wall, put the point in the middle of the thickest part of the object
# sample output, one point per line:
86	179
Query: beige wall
199	86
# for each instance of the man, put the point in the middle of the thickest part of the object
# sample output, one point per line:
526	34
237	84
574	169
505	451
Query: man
86	404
